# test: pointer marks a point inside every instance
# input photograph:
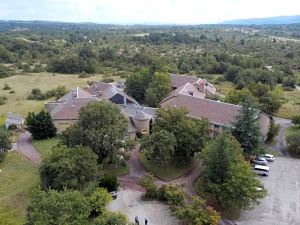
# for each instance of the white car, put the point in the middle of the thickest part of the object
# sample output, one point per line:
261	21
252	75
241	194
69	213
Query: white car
261	170
269	157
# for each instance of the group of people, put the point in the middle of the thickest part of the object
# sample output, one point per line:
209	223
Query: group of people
138	222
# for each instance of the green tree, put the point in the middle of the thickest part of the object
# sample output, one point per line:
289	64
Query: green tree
238	96
198	213
137	84
101	127
191	135
40	125
228	177
98	201
296	120
159	147
273	130
58	208
72	168
158	89
5	144
246	130
293	143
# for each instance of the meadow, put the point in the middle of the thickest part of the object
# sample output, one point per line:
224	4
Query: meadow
23	84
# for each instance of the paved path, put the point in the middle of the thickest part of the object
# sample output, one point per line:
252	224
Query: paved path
25	148
280	145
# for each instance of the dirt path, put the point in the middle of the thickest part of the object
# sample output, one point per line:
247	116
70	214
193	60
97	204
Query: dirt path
25	148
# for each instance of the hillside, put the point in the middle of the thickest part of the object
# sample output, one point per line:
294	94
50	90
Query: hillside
265	21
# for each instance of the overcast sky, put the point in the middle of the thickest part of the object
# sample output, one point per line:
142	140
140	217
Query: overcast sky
145	11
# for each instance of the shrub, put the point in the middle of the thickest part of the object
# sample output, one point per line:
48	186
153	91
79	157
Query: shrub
84	75
293	143
108	80
12	92
147	182
172	194
273	131
6	87
3	100
5	144
36	94
109	182
296	120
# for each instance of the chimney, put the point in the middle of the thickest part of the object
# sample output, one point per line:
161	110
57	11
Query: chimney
202	85
77	92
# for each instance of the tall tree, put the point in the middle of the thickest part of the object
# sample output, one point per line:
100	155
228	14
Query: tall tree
101	127
5	144
159	147
246	129
53	207
40	125
191	135
72	168
228	177
158	88
137	84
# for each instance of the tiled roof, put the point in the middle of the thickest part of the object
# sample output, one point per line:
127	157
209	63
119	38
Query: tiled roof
216	112
70	110
186	89
107	91
75	93
178	80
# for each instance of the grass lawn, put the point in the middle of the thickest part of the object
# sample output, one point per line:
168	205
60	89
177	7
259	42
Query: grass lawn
291	104
2	120
292	130
17	181
211	201
44	146
23	84
224	87
111	169
165	173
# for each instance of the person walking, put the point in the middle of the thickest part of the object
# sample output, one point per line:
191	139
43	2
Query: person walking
146	221
137	220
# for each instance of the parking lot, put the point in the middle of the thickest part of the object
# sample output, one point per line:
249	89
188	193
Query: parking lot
129	202
282	205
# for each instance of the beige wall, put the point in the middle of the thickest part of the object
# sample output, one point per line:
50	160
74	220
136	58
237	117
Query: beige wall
142	125
62	125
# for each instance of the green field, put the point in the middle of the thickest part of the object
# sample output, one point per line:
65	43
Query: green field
44	146
18	179
23	84
168	173
291	104
292	130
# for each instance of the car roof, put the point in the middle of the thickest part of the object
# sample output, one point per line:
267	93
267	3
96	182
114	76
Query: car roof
268	155
261	167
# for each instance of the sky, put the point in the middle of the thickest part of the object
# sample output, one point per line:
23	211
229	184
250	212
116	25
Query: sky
145	11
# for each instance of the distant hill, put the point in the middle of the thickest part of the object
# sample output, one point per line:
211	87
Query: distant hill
265	21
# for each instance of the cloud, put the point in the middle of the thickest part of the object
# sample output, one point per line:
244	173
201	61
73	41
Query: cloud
145	11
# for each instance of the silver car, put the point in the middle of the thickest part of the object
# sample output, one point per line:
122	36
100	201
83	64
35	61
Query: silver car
269	157
259	161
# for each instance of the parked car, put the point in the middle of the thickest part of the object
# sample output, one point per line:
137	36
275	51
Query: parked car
259	161
269	157
261	170
114	195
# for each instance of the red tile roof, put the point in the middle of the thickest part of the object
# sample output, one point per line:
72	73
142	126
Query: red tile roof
216	112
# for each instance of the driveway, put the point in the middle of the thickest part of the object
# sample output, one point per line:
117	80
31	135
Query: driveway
25	148
129	202
282	205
